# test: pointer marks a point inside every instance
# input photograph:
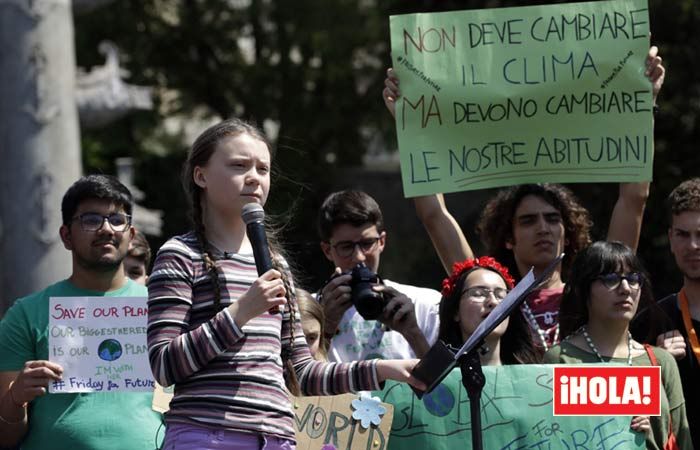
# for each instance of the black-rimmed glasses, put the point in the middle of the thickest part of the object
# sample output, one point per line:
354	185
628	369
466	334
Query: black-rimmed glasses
93	221
612	281
345	249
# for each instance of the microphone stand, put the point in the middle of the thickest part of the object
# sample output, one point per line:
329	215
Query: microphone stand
473	380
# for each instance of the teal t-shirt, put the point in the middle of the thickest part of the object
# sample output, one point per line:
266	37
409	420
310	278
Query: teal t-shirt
104	421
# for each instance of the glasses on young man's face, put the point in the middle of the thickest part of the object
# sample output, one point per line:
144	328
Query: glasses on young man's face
93	221
613	280
345	249
479	294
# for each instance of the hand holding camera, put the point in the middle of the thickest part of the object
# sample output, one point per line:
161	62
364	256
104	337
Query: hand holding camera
399	311
373	301
335	299
354	287
400	315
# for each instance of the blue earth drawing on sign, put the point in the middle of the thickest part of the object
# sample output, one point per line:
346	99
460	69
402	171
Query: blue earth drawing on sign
440	401
110	350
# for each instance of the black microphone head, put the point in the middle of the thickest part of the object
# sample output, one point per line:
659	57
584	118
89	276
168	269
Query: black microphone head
252	212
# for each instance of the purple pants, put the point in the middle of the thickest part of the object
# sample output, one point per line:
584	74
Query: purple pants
188	437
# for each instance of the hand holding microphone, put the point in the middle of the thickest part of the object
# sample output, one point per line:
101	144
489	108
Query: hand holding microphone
267	293
253	216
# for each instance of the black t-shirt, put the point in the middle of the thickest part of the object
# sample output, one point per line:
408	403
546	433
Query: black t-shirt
671	318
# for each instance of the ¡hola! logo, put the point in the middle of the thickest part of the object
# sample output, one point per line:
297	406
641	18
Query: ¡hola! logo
607	391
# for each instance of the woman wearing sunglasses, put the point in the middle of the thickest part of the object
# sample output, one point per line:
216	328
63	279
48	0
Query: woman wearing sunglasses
607	285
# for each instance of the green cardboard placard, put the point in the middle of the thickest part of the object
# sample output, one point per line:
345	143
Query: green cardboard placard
498	97
516	413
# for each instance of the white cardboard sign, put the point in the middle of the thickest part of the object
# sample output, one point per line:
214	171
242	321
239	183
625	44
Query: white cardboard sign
101	344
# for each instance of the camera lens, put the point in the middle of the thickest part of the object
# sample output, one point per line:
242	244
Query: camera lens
368	302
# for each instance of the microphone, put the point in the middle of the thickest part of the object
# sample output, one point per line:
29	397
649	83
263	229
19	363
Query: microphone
253	216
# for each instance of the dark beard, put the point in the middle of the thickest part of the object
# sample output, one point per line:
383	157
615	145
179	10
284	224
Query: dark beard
99	266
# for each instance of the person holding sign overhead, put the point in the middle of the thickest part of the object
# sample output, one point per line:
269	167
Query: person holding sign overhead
213	325
97	230
530	225
606	287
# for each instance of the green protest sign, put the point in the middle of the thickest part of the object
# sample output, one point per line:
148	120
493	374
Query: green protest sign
498	97
516	413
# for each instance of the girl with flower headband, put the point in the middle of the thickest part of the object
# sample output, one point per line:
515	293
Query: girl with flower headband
469	295
530	225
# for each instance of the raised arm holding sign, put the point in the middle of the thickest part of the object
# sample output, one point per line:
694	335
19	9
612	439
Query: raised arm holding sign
528	225
625	224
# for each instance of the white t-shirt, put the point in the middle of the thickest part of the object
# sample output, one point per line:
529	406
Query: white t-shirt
359	339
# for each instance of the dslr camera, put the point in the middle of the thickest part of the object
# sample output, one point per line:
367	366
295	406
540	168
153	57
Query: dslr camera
369	303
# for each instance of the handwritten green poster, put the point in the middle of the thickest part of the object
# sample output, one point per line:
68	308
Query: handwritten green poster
497	97
516	413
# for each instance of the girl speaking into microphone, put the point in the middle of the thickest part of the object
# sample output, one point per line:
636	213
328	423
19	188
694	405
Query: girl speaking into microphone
212	329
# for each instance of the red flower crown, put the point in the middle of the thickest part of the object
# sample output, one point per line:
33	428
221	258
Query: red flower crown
487	262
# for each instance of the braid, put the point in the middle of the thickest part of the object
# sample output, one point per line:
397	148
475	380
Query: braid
209	261
291	379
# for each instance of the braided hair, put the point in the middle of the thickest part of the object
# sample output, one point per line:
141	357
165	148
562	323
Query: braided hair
198	156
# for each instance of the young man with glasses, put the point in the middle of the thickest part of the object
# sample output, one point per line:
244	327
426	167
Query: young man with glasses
97	231
352	231
677	330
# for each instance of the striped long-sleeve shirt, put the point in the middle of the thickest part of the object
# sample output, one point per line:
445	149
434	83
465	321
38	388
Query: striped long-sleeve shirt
225	376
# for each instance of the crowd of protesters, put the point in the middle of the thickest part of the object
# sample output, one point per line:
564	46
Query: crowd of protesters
236	343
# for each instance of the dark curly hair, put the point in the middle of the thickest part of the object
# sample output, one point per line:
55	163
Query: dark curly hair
597	259
684	197
496	222
516	343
